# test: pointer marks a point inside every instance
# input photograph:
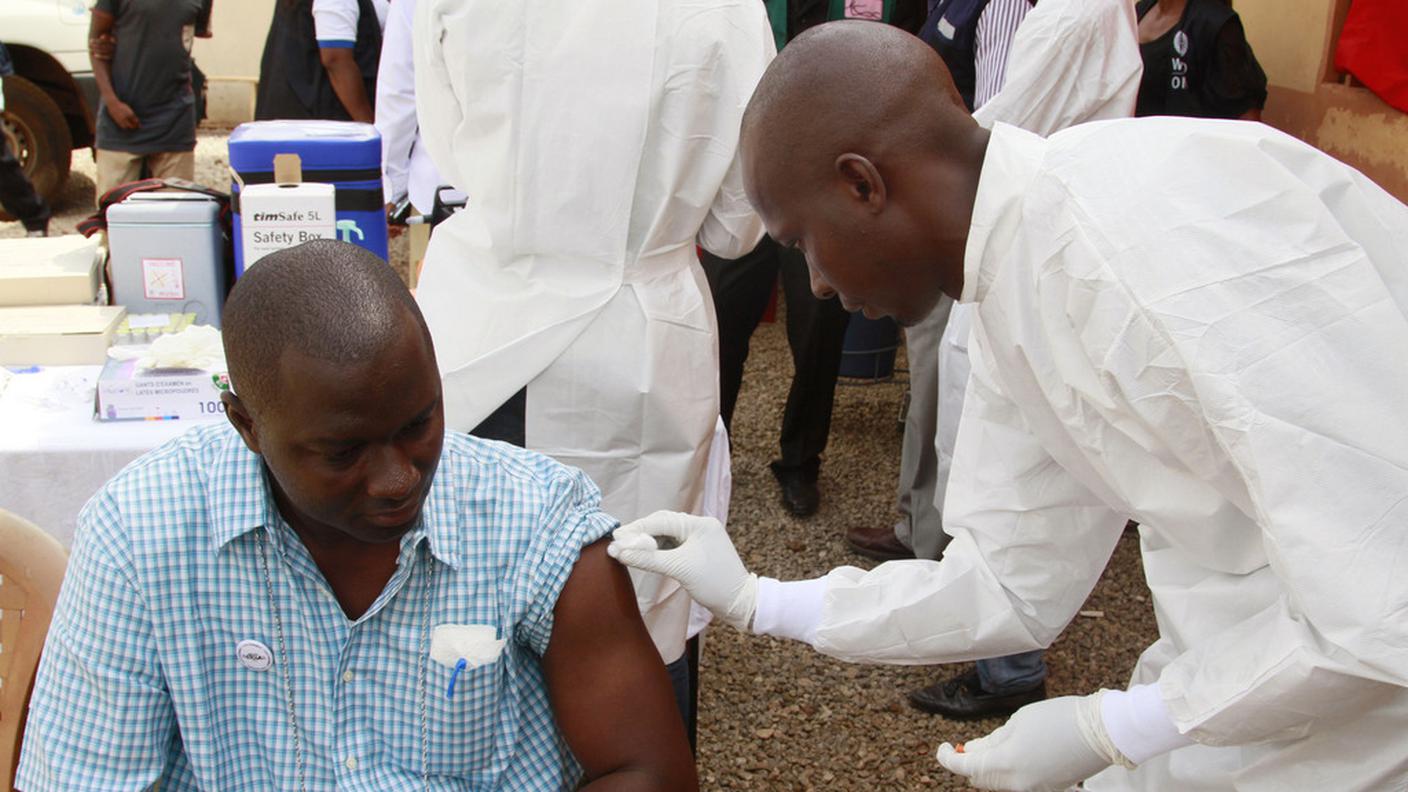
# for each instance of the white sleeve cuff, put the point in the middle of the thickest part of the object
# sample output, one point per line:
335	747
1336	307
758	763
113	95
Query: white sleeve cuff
1139	724
789	609
335	20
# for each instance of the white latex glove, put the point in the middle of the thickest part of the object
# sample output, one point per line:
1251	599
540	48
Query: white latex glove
704	561
196	347
1045	747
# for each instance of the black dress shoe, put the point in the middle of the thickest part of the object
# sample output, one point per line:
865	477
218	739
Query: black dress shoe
963	698
799	493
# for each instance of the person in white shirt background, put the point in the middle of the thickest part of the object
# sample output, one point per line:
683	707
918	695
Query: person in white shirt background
336	23
1198	325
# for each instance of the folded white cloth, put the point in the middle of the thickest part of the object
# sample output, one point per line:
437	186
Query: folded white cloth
474	643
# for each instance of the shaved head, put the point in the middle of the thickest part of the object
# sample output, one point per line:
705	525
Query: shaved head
857	149
328	300
852	86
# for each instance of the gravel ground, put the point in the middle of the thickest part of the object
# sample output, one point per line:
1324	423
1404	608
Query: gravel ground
774	715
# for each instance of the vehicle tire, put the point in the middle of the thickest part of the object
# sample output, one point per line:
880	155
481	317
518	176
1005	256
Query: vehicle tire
37	135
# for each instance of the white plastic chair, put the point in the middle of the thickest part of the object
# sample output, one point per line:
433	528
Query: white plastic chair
31	569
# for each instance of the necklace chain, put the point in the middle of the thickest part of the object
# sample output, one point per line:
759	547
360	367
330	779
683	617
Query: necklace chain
283	664
299	761
425	691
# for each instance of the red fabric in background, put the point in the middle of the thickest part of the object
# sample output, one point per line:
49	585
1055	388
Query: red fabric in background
1374	48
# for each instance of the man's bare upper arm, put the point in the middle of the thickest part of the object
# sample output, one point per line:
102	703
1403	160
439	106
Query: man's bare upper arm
608	686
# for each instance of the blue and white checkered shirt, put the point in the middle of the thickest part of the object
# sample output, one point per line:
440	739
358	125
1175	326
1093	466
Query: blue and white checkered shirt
140	681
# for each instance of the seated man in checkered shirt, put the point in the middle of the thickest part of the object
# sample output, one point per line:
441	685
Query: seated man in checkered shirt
284	603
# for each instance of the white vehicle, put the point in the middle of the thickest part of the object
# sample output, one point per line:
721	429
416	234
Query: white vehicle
51	99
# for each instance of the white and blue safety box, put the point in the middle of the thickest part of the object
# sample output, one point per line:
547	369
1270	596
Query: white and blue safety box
346	154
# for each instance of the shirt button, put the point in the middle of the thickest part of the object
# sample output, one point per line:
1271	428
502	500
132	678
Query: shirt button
350	763
348	676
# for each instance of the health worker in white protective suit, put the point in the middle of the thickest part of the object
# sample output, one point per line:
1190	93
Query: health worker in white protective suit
1070	61
1198	325
597	144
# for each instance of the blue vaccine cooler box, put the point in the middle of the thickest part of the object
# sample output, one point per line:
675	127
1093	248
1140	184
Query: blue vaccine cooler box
345	154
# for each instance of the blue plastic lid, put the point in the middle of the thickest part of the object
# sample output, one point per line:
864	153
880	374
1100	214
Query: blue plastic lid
322	145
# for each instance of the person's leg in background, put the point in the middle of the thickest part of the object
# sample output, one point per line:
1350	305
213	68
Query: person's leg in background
115	168
920	531
172	165
1013	674
17	194
682	680
816	330
741	288
995	687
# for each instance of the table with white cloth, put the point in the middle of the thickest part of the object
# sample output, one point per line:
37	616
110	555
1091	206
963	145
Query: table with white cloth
54	454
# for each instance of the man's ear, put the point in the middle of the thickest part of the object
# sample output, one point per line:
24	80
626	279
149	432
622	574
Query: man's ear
862	180
239	416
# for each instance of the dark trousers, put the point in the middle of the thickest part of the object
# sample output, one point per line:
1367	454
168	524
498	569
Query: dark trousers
17	195
815	330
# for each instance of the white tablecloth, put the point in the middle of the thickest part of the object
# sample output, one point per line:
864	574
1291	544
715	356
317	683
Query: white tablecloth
54	455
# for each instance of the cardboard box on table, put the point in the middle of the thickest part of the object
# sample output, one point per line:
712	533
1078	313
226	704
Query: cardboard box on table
62	270
128	392
57	335
282	215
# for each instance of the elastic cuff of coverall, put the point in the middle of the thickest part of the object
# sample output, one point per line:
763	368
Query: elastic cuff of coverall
790	609
1139	723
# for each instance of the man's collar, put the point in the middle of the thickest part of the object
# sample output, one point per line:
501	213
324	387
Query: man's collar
239	495
241	501
1013	158
439	515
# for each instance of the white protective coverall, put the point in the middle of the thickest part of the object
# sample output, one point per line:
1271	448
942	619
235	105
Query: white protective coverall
597	144
1071	62
1203	326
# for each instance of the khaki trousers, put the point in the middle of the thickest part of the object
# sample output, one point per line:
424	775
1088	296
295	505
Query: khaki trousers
120	167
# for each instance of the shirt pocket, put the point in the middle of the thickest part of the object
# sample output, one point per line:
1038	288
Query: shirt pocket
464	731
